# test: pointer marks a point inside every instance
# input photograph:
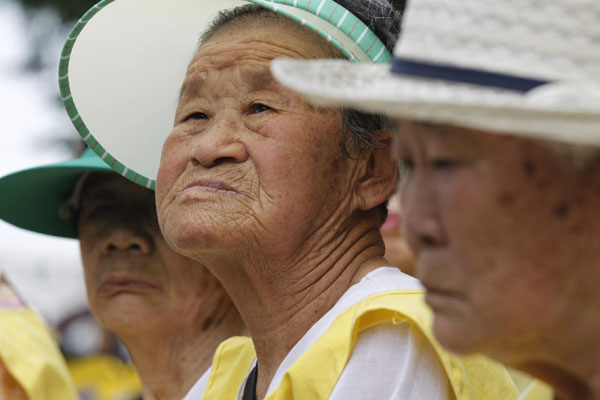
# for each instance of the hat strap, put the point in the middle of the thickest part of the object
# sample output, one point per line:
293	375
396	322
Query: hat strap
451	73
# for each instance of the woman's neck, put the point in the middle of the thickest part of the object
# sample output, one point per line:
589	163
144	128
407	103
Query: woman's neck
170	358
280	301
566	384
566	357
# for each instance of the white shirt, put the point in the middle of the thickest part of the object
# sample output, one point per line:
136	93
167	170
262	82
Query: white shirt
388	362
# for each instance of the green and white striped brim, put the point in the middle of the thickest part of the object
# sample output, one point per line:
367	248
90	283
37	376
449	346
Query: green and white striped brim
122	66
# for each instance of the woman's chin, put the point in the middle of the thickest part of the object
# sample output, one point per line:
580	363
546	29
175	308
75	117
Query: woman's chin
194	242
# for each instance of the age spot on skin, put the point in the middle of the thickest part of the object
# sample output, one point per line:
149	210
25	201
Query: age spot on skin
529	167
576	229
561	210
506	199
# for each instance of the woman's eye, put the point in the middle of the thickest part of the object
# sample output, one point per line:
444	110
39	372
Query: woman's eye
407	164
97	212
258	108
196	115
444	163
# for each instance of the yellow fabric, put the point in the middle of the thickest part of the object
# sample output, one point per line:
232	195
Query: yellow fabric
530	388
231	363
9	387
315	374
32	358
538	391
104	377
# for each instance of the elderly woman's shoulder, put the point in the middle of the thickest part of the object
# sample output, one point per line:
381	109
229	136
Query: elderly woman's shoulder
390	360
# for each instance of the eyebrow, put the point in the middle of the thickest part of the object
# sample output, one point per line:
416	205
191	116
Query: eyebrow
190	87
461	138
93	200
260	80
431	127
257	81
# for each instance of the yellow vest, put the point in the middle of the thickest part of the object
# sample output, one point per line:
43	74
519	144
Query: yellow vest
32	357
531	389
315	374
107	377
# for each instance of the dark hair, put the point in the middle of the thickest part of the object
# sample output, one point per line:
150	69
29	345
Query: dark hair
361	130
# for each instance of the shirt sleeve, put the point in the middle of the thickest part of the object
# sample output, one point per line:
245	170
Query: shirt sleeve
392	362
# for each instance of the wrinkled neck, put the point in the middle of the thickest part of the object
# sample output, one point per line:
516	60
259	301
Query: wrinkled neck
170	360
281	299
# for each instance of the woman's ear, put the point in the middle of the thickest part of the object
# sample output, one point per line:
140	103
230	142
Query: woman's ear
380	176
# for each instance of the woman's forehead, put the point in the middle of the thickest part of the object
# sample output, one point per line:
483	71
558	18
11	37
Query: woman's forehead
442	135
247	54
289	36
107	186
255	79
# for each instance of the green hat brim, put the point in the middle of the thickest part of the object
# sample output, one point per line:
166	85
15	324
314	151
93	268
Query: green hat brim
31	199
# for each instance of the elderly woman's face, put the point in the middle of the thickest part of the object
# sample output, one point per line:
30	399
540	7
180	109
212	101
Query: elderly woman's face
133	278
500	228
249	163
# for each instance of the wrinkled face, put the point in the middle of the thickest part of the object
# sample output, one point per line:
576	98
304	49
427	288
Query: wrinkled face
249	164
501	230
133	278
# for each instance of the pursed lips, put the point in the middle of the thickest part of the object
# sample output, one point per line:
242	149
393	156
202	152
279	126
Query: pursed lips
439	292
116	283
209	185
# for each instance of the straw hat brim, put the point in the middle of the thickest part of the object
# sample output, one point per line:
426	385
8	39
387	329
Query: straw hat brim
564	112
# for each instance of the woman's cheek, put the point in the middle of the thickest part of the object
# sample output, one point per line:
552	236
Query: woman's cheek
173	160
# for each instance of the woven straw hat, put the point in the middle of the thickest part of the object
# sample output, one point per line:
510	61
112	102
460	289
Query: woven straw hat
125	60
526	67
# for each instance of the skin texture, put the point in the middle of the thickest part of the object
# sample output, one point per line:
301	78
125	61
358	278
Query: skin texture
275	210
504	231
396	247
168	310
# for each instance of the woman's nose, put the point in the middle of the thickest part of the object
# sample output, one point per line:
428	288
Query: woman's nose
421	223
126	240
221	142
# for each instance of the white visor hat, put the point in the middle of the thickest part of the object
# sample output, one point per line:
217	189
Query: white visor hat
124	62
